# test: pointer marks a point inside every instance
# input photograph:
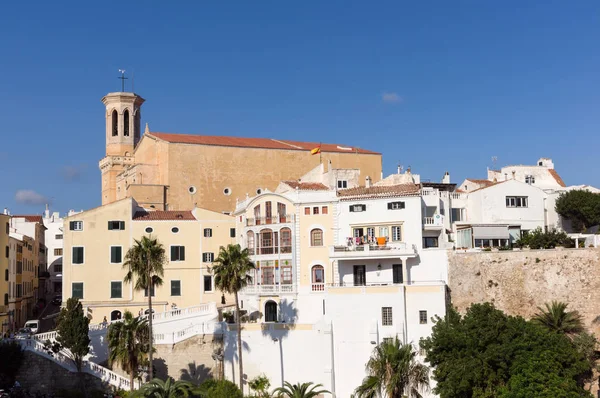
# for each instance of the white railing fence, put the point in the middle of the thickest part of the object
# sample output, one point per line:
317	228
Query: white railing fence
207	308
186	333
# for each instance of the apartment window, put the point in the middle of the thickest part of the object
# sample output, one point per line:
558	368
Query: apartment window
396	205
516	201
116	289
116	225
371	233
430	242
177	253
316	237
342	184
7	251
386	316
76	225
58	252
397	233
77	255
208	283
6	299
149	230
77	290
422	317
58	237
208	257
153	290
6	274
57	267
397	273
530	179
307	211
388	340
268	275
268	211
316	210
175	288
232	232
358	208
116	253
286	275
207	232
324	210
175	230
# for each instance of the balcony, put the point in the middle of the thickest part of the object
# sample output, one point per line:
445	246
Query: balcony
270	250
269	289
279	219
433	223
365	252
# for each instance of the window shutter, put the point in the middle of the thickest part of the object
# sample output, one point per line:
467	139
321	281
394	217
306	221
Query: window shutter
364	207
390	206
181	253
351	208
173	253
122	225
72	225
110	227
232	232
402	205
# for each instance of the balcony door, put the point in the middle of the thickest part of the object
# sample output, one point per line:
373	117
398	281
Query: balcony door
360	275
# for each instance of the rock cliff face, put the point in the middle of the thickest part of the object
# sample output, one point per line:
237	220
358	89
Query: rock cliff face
517	282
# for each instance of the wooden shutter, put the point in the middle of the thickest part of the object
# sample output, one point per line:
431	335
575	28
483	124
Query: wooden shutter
232	232
390	205
110	226
174	253
121	225
351	208
72	225
364	207
181	253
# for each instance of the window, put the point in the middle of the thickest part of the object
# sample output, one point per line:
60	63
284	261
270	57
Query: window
208	283
316	237
397	273
281	211
396	205
386	316
286	275
232	232
316	210
207	232
430	242
177	253
397	233
126	123
268	275
359	275
307	211
7	251
422	317
250	241
530	179
6	299
76	225
268	211
77	255
116	289
77	290
208	257
58	252
175	288
115	315
271	311
57	268
149	230
324	210
371	233
58	237
6	274
286	240
318	278
115	123
342	184
358	208
116	225
226	191
153	290
516	201
116	254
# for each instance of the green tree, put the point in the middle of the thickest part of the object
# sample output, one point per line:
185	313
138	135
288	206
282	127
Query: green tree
304	390
556	318
486	354
581	207
144	262
260	385
218	389
12	355
73	329
538	239
232	273
128	344
169	388
393	372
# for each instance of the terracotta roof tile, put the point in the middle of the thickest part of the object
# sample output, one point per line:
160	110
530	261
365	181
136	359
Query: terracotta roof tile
30	218
267	143
491	184
554	174
480	181
163	215
307	186
381	191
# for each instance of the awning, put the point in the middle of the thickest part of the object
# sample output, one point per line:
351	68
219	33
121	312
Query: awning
490	232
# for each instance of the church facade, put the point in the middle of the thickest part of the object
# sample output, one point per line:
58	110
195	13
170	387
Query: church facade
179	172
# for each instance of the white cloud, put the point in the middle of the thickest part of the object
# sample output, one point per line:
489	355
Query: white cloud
73	173
391	98
30	197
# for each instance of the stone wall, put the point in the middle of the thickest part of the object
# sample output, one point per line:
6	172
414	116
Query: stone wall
38	374
517	282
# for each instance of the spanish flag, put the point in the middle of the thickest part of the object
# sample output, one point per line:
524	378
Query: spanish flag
316	150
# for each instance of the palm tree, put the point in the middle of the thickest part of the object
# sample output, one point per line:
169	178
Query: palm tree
144	262
393	372
166	389
304	390
231	271
128	344
556	318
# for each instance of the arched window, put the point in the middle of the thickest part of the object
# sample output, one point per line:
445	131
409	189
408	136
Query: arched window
271	311
126	123
115	123
316	237
115	315
266	241
250	237
318	278
286	240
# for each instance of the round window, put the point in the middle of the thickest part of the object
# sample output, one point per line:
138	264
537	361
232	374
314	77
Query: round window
227	191
258	191
149	230
192	189
174	230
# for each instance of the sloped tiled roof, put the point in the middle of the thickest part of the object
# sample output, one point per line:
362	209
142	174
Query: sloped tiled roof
267	143
480	181
555	175
306	186
163	215
30	218
491	184
383	191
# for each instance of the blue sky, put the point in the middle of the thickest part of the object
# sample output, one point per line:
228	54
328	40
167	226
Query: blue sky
437	85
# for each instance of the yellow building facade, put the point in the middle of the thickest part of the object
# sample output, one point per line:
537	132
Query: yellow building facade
179	172
4	272
96	243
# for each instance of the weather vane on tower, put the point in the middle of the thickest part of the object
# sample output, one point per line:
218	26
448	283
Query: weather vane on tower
123	78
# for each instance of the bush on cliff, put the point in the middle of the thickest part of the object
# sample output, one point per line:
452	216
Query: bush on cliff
538	239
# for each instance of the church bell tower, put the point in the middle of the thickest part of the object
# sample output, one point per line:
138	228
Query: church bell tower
123	116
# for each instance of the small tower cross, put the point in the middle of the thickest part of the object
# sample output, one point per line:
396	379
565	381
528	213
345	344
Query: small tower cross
123	78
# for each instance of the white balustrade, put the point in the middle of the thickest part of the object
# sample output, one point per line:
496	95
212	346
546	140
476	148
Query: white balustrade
186	333
201	309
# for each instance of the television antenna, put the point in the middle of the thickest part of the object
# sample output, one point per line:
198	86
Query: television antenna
494	161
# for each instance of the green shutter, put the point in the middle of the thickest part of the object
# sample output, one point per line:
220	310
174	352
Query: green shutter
110	226
232	232
121	225
174	253
181	253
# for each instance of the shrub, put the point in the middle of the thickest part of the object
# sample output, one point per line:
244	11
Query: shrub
220	389
538	239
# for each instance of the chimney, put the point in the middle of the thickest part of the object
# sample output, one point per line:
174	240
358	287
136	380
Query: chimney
6	212
408	170
446	179
368	182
